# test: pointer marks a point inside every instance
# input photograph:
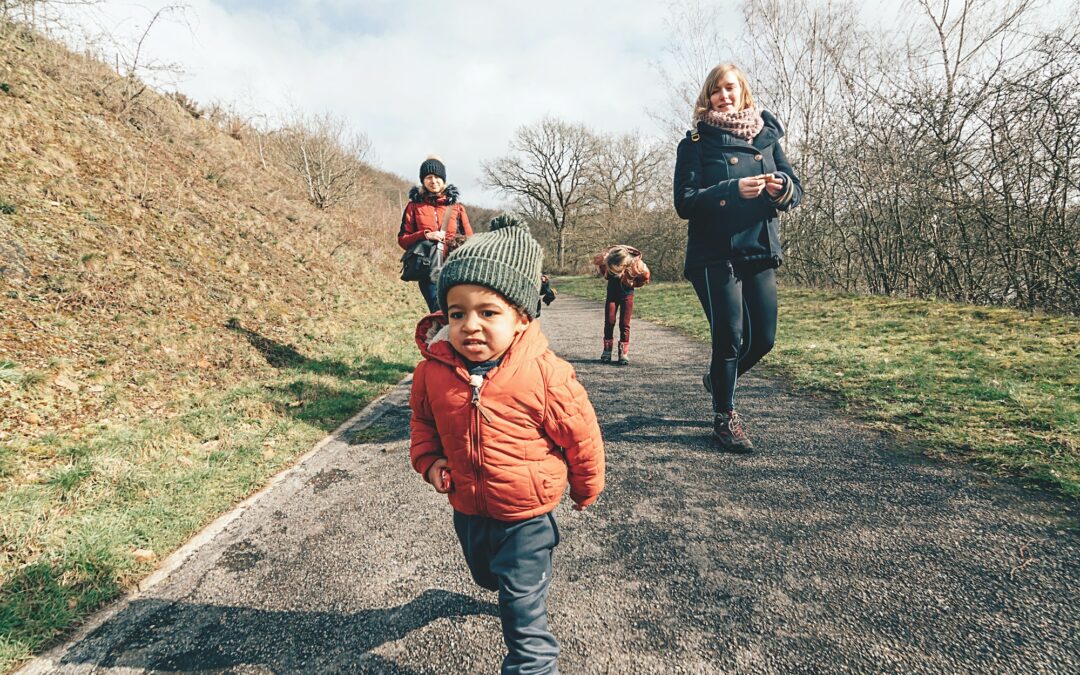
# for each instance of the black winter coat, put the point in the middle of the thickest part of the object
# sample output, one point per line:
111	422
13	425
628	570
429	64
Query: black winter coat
723	226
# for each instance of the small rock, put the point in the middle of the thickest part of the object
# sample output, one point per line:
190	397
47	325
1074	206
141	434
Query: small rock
65	382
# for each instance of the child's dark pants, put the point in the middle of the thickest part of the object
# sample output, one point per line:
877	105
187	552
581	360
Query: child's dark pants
624	305
515	560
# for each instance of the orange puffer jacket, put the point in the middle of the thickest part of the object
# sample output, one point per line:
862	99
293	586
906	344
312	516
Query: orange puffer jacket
510	440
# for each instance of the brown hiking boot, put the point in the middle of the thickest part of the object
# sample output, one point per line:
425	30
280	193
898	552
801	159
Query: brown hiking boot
624	356
728	432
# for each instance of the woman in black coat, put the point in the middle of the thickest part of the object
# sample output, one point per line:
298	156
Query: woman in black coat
731	179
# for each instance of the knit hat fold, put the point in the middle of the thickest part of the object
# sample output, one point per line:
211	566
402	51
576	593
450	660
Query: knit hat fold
507	260
432	165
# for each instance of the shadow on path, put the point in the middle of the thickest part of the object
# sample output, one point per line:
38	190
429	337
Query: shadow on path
153	634
312	399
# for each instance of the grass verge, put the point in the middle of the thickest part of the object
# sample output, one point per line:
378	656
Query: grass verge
84	515
993	385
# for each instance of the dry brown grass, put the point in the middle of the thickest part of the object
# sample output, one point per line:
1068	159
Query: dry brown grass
134	231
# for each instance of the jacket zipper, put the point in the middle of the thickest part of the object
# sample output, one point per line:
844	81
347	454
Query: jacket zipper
477	381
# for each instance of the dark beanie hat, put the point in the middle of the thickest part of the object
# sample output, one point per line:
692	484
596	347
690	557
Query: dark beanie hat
507	260
433	165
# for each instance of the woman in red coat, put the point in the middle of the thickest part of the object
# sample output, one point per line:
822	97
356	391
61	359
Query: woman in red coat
423	217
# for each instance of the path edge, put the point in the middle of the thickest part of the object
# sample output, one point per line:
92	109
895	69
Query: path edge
49	662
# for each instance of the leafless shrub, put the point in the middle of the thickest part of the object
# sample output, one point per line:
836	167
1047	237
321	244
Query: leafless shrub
324	156
189	106
939	157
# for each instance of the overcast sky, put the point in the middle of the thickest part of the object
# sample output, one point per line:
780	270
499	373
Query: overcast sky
454	78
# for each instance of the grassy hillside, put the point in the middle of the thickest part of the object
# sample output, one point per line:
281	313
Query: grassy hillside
994	385
177	324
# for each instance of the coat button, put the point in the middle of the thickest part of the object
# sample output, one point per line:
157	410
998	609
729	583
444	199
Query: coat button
734	160
757	158
723	202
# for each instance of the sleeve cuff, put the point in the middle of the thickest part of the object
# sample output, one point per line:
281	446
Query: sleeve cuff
784	198
583	502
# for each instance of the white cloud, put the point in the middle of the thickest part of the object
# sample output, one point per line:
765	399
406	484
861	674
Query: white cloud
419	77
423	76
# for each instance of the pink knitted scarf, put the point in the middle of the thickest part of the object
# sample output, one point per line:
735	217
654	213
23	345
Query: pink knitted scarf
744	124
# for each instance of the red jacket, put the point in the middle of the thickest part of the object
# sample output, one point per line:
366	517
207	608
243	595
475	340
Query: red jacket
512	442
425	214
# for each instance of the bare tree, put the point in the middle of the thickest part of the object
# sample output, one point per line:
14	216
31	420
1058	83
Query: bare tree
939	157
134	68
696	43
625	170
324	155
546	172
39	14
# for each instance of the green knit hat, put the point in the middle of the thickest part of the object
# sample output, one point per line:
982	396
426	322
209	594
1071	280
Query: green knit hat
507	260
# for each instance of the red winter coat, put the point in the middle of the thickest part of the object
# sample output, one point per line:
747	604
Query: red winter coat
425	213
513	442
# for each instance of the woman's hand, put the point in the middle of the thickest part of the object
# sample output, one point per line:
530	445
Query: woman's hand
774	185
751	187
434	235
439	476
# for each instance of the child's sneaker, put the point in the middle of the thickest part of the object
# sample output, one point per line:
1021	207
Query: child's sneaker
605	356
728	432
624	357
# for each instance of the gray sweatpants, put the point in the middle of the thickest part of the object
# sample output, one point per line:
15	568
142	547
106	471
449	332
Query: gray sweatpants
515	560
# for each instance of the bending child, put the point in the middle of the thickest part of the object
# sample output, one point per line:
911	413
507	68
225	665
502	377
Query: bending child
625	271
500	424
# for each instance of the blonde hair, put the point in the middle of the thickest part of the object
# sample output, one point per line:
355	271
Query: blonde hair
718	73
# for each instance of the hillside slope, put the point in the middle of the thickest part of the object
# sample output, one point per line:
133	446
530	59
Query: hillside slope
177	325
132	232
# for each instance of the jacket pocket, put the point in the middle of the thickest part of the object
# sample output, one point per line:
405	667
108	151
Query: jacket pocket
543	485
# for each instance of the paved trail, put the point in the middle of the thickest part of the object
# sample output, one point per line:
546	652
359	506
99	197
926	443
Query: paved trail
825	551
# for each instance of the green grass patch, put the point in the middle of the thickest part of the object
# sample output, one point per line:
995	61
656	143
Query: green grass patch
994	385
78	529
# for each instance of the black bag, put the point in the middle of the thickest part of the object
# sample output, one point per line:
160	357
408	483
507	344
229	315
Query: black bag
419	260
424	258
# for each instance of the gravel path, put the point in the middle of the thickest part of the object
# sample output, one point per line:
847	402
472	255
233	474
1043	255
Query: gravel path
824	551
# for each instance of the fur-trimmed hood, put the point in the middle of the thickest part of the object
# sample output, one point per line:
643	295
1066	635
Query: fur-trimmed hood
451	193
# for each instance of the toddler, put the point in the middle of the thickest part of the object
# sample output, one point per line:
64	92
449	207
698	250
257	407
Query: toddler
500	424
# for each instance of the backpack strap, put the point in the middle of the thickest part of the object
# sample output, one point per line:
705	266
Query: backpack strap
446	217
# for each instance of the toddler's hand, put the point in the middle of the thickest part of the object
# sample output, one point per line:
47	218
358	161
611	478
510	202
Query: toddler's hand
439	476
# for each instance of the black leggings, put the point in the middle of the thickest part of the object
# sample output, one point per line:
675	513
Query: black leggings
740	304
